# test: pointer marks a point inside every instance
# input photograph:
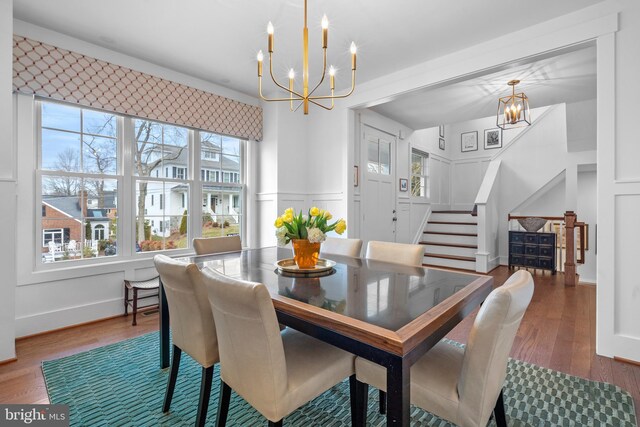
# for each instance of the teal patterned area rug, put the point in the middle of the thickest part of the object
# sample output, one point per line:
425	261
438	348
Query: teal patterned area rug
122	385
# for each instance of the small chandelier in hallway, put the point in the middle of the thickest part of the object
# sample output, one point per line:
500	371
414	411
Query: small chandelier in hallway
513	110
307	96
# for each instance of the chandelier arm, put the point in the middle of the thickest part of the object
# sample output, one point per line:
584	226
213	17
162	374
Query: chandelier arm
323	106
353	86
264	98
324	70
278	84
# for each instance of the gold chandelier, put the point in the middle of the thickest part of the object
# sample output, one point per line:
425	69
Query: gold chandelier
513	110
307	95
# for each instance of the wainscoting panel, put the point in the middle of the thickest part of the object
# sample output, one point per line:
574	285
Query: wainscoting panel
467	176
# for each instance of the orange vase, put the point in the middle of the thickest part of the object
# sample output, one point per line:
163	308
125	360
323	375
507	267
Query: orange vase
305	253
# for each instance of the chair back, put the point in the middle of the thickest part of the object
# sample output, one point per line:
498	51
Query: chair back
192	325
252	360
342	247
214	245
487	352
399	253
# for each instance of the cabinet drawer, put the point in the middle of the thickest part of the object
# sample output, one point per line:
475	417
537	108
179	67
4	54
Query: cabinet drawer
531	250
516	260
531	261
546	251
516	237
531	238
546	239
546	263
516	248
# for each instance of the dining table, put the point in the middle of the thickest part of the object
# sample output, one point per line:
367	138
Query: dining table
388	313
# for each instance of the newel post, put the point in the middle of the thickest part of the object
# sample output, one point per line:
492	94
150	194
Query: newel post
570	277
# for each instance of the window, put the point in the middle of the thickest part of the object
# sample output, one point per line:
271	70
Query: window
98	232
78	177
222	184
52	235
419	174
379	156
164	147
82	157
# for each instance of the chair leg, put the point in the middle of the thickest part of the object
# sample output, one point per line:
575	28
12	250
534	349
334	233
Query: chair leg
205	392
126	300
275	424
223	404
498	411
359	397
173	375
383	402
135	306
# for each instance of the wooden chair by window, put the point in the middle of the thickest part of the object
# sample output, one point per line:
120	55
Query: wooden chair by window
342	247
149	289
464	385
213	245
192	328
274	372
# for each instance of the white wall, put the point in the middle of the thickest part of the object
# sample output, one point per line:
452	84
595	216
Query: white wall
581	125
587	212
7	186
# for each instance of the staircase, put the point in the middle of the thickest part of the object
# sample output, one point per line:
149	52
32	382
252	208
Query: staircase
451	240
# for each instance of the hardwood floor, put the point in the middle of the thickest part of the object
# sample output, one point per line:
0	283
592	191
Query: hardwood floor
557	332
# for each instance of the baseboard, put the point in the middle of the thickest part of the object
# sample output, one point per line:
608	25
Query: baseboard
68	317
7	361
629	361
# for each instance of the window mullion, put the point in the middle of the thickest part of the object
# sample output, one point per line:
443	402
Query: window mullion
126	212
195	203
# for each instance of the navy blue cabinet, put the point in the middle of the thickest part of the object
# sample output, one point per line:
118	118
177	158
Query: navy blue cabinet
532	250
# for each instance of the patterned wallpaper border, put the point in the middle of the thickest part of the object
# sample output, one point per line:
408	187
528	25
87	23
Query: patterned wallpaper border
60	74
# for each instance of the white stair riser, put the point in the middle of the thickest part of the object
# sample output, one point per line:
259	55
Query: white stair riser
452	228
448	217
450	250
451	263
447	238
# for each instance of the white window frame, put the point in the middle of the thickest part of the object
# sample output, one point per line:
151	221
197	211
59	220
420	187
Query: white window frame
52	231
425	164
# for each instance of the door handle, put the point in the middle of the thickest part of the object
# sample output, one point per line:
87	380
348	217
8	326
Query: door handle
395	219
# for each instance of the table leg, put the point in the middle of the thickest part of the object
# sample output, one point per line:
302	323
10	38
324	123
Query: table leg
164	327
398	380
398	390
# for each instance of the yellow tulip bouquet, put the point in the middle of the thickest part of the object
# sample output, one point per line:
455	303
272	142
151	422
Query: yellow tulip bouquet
313	227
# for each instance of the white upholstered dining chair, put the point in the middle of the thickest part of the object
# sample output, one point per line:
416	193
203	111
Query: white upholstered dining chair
342	247
214	245
464	385
192	328
399	253
274	372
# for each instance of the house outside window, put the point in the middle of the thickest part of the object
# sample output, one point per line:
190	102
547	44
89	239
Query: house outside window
223	186
77	178
419	173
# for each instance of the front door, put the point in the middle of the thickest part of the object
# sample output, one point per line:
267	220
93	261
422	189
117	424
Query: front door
378	192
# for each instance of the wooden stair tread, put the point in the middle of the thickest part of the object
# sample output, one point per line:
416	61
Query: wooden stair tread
454	257
452	222
453	245
453	212
442	267
450	234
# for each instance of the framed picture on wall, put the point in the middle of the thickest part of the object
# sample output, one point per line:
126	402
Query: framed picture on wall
441	143
469	141
492	138
441	131
404	184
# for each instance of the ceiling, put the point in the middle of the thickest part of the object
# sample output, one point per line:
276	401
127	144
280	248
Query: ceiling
217	40
569	77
